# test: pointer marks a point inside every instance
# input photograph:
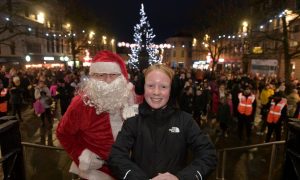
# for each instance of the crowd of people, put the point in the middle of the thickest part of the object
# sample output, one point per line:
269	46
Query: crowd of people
205	97
228	98
47	91
93	103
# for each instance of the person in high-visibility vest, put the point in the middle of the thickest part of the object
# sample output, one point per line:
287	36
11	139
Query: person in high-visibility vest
3	99
246	112
276	115
265	96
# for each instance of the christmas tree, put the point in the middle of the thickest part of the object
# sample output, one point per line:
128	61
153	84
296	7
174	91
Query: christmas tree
143	51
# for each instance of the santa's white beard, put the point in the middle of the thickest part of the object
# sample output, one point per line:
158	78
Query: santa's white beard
105	96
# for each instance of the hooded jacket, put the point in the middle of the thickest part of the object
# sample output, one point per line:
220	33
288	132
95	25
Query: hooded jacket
158	141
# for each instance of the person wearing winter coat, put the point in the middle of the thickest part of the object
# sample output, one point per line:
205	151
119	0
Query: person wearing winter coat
265	95
224	116
154	144
16	97
292	100
187	100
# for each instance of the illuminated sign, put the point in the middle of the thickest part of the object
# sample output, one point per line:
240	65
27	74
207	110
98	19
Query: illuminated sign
48	58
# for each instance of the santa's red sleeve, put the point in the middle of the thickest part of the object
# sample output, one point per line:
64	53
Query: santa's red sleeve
68	128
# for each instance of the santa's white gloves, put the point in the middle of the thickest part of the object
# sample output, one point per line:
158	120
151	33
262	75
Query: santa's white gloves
130	111
89	161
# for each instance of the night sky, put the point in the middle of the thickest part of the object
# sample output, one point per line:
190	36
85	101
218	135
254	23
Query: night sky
166	17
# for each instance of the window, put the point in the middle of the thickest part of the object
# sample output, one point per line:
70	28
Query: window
57	45
296	28
62	45
33	47
52	45
48	45
13	48
26	12
36	32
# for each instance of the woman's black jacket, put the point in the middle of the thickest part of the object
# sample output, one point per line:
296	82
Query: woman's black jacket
157	141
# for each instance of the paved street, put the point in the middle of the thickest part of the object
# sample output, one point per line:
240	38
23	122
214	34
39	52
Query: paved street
31	130
42	162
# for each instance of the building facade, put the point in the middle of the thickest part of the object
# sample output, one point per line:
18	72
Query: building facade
181	51
33	34
267	35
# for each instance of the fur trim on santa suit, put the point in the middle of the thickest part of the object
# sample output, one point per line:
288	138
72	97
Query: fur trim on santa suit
86	131
107	62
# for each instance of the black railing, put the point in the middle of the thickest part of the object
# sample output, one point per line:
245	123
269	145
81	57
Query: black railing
242	154
11	149
46	162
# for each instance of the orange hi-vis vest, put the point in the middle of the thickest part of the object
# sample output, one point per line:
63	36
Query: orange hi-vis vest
3	105
245	104
275	110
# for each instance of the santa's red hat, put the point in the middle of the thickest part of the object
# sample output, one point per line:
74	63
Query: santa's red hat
108	62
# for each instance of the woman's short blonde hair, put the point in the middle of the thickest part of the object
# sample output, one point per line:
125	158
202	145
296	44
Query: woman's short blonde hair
163	68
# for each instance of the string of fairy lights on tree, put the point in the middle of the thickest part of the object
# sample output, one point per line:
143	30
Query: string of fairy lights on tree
143	32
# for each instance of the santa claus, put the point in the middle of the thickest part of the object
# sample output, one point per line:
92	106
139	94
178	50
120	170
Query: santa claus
89	127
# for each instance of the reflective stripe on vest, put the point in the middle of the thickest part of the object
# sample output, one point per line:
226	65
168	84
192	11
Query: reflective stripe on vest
3	92
275	111
3	105
245	104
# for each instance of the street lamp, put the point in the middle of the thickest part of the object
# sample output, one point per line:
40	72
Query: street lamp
27	58
41	17
104	39
91	34
245	27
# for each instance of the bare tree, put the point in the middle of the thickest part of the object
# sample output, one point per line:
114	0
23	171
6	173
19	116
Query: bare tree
279	38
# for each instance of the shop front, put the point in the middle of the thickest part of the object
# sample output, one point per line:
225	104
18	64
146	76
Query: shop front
40	61
201	64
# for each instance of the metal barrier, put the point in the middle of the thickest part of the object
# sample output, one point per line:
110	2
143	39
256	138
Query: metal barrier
223	153
292	160
46	162
11	149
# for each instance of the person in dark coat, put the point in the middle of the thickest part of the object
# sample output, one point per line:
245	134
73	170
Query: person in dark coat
154	144
65	93
223	116
198	106
187	100
16	97
4	95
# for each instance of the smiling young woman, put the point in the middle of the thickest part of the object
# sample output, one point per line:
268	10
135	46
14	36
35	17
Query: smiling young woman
157	87
154	143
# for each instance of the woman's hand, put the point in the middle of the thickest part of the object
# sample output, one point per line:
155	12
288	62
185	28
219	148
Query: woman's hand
165	176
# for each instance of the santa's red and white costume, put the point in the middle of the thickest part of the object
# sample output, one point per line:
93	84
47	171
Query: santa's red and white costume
87	130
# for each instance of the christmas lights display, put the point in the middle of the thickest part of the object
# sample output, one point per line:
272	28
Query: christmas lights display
143	38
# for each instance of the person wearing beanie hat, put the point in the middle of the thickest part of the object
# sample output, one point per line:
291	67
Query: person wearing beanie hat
95	116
